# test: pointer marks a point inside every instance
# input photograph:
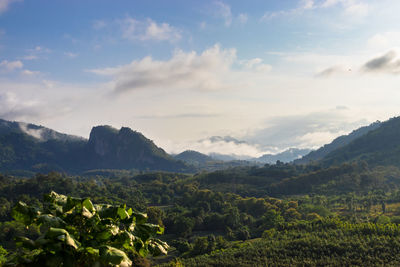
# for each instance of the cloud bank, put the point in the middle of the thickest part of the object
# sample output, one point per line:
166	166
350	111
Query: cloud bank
190	70
304	131
387	63
146	30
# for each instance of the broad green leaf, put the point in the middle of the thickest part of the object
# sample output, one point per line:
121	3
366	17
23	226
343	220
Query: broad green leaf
111	230
111	255
160	230
86	213
25	242
106	211
62	235
140	217
105	235
53	197
158	247
56	232
50	220
132	226
92	251
114	229
143	252
42	240
88	204
122	213
23	213
73	202
130	211
127	239
71	242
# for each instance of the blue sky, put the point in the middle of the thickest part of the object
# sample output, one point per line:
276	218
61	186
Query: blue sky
276	74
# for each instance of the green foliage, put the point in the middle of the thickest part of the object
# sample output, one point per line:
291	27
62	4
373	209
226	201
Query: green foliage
3	254
78	232
328	242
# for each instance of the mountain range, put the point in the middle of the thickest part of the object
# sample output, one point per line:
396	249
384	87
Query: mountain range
33	148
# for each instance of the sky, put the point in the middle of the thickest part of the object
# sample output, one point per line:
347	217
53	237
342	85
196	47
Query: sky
273	74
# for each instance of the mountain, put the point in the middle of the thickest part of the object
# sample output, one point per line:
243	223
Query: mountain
40	133
226	139
228	157
285	156
193	157
380	146
109	148
28	147
337	143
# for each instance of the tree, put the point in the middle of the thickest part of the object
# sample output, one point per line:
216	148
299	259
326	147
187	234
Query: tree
3	254
77	232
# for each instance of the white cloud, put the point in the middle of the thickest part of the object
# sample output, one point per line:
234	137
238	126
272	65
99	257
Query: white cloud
303	6
30	57
214	69
48	83
305	131
30	101
4	4
70	54
14	107
30	72
223	10
307	4
330	3
11	65
328	72
357	9
205	71
387	63
384	41
37	133
133	29
207	146
243	18
203	25
36	53
161	32
256	64
351	8
99	24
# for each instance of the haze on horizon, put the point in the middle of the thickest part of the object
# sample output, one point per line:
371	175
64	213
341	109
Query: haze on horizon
274	74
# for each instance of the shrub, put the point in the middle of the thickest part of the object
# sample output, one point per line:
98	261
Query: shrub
76	232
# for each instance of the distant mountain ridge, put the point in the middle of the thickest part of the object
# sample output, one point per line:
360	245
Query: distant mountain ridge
41	133
29	147
380	146
285	156
337	143
193	157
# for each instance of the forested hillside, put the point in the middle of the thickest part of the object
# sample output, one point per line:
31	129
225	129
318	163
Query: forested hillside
377	147
259	214
336	144
26	149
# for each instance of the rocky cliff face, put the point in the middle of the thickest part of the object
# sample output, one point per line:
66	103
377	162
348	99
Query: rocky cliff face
126	149
101	138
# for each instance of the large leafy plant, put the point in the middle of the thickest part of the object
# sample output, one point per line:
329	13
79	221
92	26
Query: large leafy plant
77	232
